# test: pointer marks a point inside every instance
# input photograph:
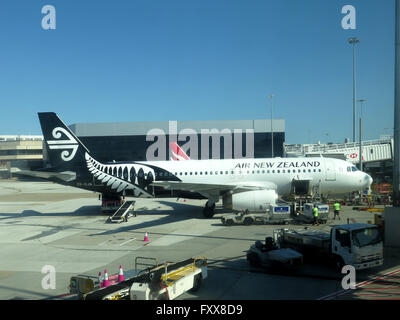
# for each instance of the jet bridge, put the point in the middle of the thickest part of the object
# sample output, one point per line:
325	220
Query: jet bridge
372	150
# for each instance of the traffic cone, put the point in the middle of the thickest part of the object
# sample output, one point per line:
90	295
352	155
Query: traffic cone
101	280
146	238
106	282
121	274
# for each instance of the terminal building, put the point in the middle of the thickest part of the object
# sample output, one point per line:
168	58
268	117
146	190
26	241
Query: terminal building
141	141
23	152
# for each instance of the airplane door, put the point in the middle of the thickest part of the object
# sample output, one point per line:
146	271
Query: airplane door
330	170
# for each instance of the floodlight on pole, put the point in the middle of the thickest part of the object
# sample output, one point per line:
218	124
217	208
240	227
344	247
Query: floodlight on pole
354	41
361	114
271	96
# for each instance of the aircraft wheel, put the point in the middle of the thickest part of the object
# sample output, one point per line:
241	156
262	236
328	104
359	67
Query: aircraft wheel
247	221
208	212
196	283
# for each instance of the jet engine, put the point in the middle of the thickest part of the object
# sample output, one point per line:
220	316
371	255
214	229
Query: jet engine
257	200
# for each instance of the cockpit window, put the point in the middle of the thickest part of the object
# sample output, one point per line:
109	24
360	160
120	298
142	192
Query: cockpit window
353	168
348	169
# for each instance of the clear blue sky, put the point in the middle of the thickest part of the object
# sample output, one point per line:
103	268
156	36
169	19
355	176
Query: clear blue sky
162	60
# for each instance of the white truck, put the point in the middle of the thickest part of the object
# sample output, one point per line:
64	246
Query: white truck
359	245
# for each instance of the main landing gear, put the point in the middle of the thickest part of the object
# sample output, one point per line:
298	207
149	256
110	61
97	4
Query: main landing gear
208	210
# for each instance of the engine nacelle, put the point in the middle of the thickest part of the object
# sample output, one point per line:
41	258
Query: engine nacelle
257	200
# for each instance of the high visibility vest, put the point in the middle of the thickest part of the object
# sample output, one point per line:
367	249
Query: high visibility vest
337	206
315	212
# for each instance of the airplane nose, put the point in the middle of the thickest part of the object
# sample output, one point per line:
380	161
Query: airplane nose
368	180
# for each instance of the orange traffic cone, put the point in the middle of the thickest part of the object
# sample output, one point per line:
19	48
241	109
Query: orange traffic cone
106	282
101	280
146	238
121	274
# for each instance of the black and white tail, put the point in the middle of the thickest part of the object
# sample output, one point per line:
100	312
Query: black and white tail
63	147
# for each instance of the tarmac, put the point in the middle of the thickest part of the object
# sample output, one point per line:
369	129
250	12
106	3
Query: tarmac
45	225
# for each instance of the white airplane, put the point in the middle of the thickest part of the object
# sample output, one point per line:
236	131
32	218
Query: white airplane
251	184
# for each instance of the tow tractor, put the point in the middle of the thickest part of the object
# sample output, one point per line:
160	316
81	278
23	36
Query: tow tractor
356	244
157	282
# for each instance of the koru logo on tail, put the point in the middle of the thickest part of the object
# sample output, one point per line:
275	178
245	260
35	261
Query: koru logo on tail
71	144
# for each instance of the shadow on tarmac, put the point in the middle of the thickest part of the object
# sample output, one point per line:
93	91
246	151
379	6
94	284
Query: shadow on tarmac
84	211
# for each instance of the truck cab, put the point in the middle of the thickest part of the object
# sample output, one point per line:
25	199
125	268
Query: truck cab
359	245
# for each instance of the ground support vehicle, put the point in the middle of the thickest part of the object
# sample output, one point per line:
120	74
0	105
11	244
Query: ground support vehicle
123	212
356	244
160	282
276	214
307	215
269	256
281	213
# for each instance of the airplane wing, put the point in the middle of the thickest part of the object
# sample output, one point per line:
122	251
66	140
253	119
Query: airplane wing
65	175
214	189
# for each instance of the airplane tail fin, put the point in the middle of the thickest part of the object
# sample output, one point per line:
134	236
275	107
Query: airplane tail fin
63	147
177	152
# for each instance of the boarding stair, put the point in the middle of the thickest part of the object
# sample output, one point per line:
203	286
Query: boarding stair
120	214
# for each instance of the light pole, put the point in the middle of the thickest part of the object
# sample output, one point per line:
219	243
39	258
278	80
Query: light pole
353	41
271	96
360	152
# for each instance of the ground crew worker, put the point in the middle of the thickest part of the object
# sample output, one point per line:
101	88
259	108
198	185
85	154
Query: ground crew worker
315	212
336	210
